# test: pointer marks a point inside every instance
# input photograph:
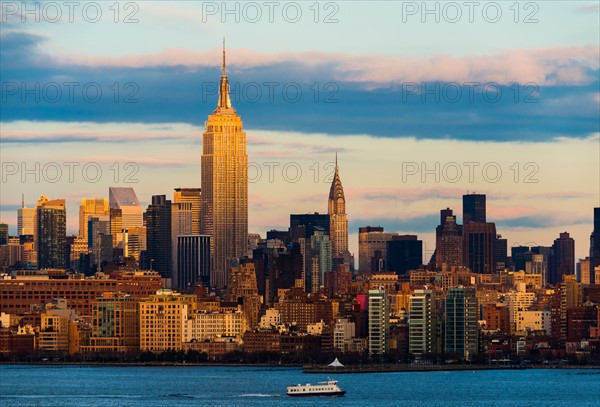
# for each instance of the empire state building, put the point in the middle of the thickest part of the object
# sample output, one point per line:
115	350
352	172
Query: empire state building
224	185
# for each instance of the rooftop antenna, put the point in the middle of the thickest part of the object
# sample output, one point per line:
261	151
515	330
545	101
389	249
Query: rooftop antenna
22	200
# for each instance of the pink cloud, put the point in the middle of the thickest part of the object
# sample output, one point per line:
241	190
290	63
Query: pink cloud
544	66
589	9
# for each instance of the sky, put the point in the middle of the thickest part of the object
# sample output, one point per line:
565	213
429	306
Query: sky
422	102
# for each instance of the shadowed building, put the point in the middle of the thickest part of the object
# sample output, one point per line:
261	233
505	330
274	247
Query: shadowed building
461	322
372	247
474	208
595	242
51	233
224	185
404	253
479	247
449	242
304	225
193	262
158	236
564	258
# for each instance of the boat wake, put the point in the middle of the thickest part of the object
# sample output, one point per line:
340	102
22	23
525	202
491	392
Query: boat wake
259	395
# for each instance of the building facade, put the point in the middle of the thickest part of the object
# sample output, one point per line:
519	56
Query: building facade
336	209
224	185
378	322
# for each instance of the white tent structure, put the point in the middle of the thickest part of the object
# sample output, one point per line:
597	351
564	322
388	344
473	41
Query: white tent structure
335	363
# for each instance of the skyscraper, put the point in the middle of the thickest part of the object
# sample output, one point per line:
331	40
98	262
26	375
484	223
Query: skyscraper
193	262
422	323
461	322
318	260
479	236
51	233
448	248
595	241
372	248
3	233
564	257
336	208
378	322
224	185
99	239
304	225
194	196
158	236
403	253
474	208
90	207
181	224
124	198
26	221
479	247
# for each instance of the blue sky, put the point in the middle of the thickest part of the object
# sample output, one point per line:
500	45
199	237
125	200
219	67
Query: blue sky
386	85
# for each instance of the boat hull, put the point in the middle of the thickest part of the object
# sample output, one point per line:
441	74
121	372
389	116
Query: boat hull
323	394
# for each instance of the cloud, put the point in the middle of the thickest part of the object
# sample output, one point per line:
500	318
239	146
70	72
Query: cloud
589	9
551	65
336	93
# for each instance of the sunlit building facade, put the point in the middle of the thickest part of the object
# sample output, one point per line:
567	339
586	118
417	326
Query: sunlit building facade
224	185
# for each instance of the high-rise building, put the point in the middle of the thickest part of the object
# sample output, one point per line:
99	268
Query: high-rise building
422	323
403	253
317	253
125	199
479	247
242	288
3	233
595	241
116	227
193	262
100	239
564	257
461	322
336	209
448	250
584	271
304	225
181	224
520	255
538	265
90	207
26	221
474	208
134	242
158	236
51	233
193	196
372	248
378	322
501	253
224	185
278	268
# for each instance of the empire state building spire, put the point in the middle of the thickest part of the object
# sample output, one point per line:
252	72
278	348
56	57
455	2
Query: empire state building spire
224	106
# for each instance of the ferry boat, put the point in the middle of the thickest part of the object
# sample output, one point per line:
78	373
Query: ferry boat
328	388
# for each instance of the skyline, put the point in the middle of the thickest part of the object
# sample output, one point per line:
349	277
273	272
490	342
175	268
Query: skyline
161	134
